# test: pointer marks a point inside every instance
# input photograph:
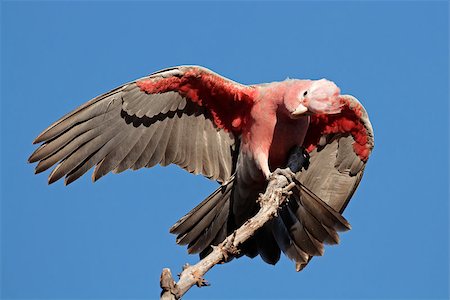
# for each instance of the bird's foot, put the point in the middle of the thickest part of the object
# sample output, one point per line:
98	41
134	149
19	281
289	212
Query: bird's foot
286	187
231	249
228	248
199	280
290	176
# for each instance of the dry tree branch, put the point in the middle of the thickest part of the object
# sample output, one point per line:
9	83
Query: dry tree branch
278	190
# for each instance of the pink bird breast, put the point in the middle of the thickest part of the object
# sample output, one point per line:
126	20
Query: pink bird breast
323	97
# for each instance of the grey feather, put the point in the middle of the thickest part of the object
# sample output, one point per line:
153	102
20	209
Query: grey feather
154	128
196	214
58	154
154	149
158	155
322	211
286	244
97	106
59	142
317	229
266	245
118	153
208	235
173	142
104	141
149	147
336	170
299	234
135	152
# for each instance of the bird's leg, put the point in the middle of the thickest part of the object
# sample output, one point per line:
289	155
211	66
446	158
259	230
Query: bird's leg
262	161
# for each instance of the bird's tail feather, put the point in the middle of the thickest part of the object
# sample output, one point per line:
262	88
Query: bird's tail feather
206	224
303	225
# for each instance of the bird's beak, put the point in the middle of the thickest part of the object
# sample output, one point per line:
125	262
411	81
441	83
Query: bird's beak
300	110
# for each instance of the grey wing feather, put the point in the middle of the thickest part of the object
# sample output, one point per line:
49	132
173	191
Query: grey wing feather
127	128
334	172
327	185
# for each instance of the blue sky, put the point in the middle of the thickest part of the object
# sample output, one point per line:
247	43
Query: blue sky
110	239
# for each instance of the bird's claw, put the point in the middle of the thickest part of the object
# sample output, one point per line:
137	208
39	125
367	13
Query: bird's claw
199	280
231	249
290	176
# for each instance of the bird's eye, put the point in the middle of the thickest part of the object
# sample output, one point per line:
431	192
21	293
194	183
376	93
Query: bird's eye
305	93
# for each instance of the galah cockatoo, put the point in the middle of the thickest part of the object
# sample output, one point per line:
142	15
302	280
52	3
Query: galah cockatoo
233	133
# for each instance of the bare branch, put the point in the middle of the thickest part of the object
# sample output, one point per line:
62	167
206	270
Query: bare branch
278	189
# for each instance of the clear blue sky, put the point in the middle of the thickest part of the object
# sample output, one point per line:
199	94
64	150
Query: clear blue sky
111	240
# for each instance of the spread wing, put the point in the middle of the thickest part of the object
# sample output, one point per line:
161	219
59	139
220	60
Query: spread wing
339	147
184	115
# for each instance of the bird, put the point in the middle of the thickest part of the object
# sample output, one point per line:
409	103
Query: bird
235	134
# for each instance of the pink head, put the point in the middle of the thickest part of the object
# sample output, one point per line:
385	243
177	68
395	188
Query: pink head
312	97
